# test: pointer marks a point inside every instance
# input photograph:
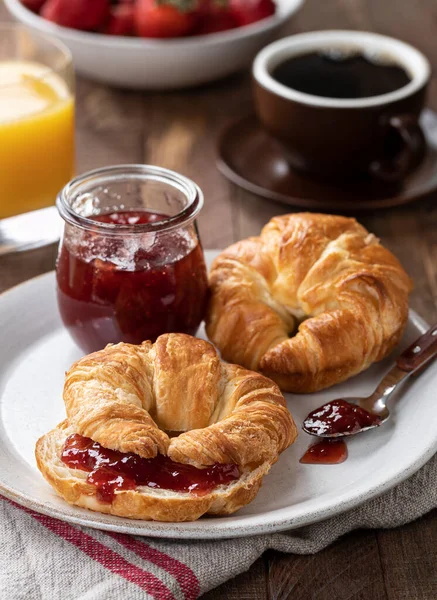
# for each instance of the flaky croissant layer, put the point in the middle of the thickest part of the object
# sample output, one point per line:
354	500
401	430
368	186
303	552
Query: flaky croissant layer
326	277
128	398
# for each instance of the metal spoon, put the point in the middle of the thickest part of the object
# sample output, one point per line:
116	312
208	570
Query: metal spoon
362	414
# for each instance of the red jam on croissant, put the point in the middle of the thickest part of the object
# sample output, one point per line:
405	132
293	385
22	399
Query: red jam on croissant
110	470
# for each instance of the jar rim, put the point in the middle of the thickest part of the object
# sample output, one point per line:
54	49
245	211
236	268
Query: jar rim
104	176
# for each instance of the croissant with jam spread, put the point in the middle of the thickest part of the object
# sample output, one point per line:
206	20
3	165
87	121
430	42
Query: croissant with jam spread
232	425
312	301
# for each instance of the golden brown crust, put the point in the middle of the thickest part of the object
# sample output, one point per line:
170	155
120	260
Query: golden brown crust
250	425
351	292
189	367
127	397
142	503
108	396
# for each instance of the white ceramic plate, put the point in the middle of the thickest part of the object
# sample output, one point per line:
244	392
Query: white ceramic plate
161	64
35	352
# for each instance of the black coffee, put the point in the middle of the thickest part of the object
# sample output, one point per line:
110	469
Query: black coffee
336	74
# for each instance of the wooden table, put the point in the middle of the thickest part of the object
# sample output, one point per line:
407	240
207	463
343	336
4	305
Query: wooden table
178	130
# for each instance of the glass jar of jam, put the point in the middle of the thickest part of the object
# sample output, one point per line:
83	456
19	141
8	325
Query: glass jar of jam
130	265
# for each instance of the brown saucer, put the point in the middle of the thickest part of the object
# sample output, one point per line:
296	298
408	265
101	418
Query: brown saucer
253	160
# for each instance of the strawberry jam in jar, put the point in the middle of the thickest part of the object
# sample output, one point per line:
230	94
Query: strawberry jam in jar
130	265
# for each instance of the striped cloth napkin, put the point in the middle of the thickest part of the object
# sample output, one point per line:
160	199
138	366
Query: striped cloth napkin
46	559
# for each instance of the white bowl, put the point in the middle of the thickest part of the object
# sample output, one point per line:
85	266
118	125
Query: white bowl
161	64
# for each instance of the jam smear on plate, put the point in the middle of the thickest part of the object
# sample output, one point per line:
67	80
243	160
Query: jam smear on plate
110	470
326	452
339	417
130	288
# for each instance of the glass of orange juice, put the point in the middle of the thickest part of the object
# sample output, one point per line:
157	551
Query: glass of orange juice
36	120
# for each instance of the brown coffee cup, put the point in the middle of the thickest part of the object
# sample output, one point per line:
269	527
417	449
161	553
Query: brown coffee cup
344	138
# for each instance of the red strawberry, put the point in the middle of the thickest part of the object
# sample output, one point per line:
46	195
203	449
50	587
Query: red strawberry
249	11
34	5
162	20
78	14
121	20
216	19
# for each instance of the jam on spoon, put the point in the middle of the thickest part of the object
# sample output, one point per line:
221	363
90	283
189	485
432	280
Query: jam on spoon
110	470
326	452
335	418
339	417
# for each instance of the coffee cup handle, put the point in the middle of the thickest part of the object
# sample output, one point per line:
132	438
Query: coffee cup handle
414	144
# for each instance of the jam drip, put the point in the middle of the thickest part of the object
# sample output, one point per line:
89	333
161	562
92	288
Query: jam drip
339	417
326	452
110	470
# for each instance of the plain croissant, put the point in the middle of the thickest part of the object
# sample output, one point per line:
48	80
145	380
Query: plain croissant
312	301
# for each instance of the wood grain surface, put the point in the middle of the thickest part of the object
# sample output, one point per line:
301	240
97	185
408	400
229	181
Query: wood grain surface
179	130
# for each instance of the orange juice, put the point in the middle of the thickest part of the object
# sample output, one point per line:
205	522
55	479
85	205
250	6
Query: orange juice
36	136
